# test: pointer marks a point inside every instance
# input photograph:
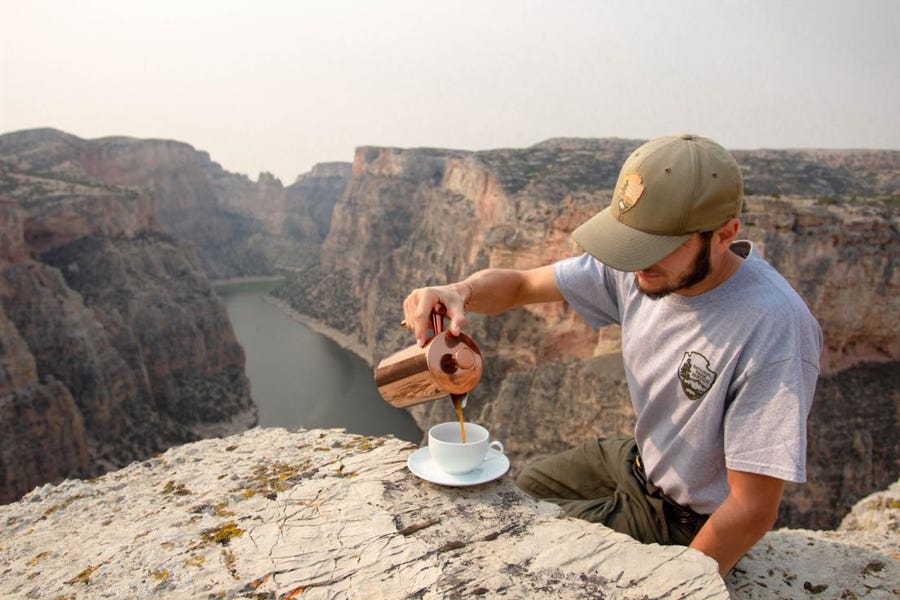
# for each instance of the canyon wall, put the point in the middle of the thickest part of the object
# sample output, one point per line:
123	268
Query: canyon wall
113	345
237	226
826	219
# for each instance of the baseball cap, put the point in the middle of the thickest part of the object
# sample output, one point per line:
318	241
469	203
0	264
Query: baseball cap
668	189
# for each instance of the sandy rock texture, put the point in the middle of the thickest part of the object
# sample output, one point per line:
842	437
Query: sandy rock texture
325	514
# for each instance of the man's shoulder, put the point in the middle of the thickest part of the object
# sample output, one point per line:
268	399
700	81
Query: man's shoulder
767	284
773	299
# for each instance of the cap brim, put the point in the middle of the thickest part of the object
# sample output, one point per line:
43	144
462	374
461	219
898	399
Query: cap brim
622	247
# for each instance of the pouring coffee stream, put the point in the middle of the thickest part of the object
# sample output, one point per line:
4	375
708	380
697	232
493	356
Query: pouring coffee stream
447	365
459	401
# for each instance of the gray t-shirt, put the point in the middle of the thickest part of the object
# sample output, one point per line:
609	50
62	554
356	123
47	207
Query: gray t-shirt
721	379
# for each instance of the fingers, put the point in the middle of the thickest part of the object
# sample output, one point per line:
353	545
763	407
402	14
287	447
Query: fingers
418	306
417	313
457	322
456	310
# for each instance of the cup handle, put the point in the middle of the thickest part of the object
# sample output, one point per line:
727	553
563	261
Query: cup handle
495	445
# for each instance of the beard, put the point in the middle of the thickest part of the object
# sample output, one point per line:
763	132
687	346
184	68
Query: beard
697	273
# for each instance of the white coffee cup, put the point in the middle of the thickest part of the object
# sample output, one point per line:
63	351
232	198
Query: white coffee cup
451	455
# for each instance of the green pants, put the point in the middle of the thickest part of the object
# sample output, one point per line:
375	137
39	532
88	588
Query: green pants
597	482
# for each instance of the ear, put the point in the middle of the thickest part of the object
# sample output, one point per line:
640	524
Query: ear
725	235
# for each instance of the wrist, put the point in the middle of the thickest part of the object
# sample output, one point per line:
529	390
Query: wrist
467	293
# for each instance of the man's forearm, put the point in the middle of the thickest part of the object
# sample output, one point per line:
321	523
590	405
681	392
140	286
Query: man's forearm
493	290
747	514
496	290
489	291
727	536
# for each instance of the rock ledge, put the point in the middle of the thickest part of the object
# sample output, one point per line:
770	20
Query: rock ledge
272	514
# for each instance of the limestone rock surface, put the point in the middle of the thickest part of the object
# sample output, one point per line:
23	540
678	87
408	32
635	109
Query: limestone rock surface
272	513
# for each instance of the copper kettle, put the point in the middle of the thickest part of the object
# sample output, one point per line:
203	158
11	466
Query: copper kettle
446	365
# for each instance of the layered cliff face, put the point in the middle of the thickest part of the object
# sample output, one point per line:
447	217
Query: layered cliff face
113	346
426	216
239	227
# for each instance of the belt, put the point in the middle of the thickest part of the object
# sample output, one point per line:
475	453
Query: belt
684	515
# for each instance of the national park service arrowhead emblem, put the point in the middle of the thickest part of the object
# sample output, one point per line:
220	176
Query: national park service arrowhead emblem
695	375
629	191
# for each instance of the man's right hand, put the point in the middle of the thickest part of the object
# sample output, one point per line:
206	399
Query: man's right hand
420	303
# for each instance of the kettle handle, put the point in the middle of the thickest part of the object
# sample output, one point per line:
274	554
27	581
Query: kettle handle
437	318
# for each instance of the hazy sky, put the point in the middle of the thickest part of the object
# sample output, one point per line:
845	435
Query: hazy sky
269	85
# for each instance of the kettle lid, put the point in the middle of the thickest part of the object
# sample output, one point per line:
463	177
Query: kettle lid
455	362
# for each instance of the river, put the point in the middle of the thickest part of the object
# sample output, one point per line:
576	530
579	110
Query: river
300	378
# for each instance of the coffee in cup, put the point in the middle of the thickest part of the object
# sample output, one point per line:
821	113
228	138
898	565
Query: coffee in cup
454	456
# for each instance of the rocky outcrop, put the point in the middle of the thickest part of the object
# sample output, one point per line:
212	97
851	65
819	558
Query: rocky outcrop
827	220
113	346
238	226
829	175
323	514
309	203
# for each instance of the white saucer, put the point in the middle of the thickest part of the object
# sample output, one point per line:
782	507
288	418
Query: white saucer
420	463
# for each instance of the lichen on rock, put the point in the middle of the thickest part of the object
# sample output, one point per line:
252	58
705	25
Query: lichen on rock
311	529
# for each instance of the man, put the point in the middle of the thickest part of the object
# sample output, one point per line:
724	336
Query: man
721	356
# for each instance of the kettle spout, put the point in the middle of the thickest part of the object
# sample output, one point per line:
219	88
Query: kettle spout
459	400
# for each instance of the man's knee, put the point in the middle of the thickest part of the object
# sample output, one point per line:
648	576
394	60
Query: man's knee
528	481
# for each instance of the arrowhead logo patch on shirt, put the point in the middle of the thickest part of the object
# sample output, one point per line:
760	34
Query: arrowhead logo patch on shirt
695	375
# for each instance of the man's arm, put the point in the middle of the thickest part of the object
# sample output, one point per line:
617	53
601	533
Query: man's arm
490	291
747	514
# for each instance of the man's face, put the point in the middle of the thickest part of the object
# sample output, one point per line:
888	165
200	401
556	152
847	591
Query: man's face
679	271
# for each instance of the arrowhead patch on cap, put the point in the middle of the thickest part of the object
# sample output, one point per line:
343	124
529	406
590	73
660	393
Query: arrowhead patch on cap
628	193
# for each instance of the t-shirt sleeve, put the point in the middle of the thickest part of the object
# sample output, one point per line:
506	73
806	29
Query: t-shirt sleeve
590	287
765	425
